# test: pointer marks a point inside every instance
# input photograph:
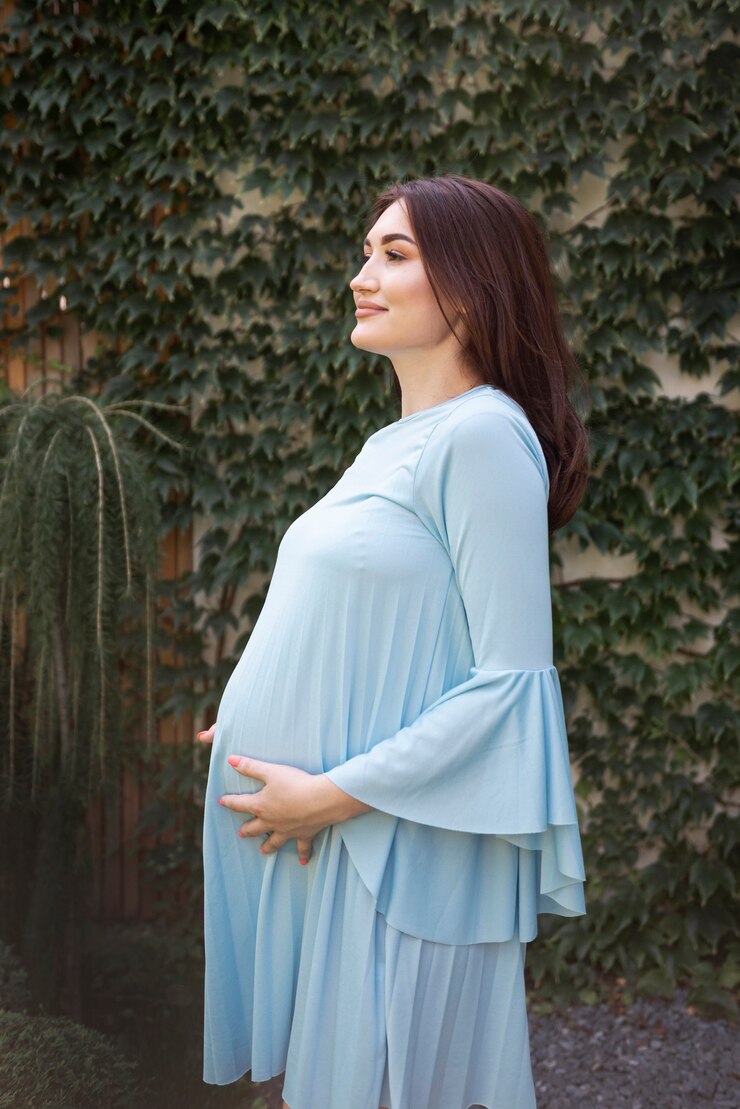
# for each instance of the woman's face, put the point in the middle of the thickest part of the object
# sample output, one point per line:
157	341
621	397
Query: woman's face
392	277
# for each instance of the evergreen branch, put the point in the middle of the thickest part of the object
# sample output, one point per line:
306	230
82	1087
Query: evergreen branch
62	695
11	697
35	744
42	464
41	381
119	479
149	664
123	404
99	602
156	430
70	552
47	453
75	707
60	661
13	454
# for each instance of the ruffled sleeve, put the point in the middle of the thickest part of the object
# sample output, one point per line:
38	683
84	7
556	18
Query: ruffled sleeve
489	756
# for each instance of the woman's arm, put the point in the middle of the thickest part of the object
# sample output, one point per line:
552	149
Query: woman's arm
474	760
335	803
490	756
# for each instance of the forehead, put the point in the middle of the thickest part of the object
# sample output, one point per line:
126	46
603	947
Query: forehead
394	218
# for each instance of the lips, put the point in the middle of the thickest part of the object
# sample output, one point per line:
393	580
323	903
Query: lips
368	308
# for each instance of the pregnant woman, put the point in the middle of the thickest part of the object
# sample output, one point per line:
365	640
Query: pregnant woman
389	803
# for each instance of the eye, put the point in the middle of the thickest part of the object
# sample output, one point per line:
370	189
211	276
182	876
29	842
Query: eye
393	256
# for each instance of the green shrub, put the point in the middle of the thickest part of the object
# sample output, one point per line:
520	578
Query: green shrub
53	1063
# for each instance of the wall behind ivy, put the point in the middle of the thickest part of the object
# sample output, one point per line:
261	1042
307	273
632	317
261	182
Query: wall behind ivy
197	178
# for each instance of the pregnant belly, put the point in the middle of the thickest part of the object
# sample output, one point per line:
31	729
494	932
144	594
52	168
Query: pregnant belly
264	720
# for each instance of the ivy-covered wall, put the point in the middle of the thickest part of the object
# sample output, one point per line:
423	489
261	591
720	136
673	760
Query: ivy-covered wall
196	178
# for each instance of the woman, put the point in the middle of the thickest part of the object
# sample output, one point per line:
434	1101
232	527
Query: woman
396	711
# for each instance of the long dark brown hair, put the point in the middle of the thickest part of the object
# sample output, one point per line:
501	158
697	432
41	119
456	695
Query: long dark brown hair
485	257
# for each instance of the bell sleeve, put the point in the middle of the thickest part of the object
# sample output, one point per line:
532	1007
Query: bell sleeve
489	756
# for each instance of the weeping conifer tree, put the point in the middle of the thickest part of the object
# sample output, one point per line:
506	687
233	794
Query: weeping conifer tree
79	545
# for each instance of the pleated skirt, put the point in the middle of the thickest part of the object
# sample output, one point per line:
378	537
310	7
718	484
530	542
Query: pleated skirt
382	1018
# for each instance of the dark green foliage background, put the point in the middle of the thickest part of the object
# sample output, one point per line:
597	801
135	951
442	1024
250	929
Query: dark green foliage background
245	311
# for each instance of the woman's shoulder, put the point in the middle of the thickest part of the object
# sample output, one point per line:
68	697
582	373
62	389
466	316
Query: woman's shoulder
480	429
489	402
487	411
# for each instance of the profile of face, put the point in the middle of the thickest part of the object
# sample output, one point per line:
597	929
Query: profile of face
406	317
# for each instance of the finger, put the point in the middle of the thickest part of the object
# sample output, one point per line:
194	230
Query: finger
239	802
274	843
305	849
208	735
254	827
250	768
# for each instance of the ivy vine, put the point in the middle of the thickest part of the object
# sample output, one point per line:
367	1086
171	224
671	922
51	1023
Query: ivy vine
196	179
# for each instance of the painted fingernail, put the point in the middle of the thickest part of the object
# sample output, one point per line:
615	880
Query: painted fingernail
234	760
220	800
304	862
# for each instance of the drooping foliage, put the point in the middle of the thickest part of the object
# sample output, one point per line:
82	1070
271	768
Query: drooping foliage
79	530
78	554
196	177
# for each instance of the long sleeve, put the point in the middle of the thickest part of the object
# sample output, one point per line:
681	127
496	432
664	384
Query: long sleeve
489	756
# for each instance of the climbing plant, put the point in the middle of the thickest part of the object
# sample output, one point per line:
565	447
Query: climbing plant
197	177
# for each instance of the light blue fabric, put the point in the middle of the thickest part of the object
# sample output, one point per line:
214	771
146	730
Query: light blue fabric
405	649
403	1022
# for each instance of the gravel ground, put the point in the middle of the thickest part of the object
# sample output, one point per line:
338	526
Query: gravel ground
654	1055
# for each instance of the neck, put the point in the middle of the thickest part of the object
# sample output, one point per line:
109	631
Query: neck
425	387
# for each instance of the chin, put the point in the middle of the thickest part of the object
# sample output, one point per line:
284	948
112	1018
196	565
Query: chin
358	342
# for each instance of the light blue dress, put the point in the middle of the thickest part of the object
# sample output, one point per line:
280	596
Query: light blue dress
404	649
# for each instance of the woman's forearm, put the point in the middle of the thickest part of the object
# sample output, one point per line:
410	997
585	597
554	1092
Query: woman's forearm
334	804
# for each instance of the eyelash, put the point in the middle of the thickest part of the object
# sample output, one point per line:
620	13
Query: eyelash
396	256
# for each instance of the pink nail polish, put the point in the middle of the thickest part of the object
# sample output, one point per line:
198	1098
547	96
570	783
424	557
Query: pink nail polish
304	862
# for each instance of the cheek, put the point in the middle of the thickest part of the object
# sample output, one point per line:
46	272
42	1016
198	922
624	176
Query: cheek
419	306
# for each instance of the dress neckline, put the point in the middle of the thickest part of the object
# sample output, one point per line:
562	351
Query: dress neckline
442	404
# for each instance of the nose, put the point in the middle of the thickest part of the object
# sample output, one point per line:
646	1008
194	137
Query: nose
363	280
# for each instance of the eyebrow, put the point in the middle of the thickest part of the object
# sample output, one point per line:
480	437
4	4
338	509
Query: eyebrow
390	238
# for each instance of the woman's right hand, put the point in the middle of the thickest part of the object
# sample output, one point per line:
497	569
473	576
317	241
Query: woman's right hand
304	844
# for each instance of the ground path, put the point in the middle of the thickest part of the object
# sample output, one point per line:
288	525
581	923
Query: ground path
655	1054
